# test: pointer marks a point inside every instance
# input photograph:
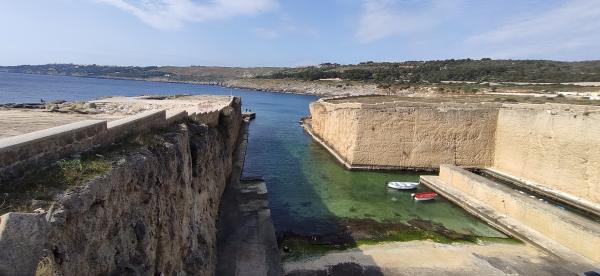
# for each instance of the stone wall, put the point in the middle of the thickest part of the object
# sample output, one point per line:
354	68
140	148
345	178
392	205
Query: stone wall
556	146
552	148
574	232
337	127
406	135
135	124
32	150
19	153
154	213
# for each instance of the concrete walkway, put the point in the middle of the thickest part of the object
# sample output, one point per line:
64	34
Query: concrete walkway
246	237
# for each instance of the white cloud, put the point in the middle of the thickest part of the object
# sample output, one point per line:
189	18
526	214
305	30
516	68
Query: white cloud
383	18
569	31
286	25
173	14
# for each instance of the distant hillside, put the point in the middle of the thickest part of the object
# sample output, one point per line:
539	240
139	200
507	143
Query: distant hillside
206	73
484	70
166	73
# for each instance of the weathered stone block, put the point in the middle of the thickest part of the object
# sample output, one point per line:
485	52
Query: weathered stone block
23	238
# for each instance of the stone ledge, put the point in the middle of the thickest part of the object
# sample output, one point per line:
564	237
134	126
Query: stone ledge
32	149
564	227
50	133
176	116
22	152
573	261
148	119
563	197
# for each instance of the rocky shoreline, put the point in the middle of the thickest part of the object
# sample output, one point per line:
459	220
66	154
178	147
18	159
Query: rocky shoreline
315	88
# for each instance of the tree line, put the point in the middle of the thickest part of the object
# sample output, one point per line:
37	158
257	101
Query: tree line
484	70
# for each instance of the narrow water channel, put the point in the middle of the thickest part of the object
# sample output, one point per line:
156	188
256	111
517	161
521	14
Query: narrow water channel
312	197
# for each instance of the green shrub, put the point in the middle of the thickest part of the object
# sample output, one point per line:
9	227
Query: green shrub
75	171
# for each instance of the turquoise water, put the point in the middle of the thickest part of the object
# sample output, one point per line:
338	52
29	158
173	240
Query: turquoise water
309	192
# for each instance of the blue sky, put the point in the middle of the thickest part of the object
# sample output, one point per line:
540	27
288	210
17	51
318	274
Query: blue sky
293	32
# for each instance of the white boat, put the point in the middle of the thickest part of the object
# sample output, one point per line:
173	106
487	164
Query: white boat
402	185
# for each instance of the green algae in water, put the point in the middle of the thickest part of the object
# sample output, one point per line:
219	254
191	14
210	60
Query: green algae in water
312	197
368	232
364	194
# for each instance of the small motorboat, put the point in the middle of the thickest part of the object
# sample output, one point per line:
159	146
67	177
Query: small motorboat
423	196
402	185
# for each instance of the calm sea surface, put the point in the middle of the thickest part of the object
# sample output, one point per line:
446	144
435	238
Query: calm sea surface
308	190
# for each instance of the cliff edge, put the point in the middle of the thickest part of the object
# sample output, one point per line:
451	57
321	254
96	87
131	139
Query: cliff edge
153	212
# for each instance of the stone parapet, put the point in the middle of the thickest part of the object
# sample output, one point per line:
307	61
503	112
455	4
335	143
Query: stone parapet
34	150
137	124
21	152
154	212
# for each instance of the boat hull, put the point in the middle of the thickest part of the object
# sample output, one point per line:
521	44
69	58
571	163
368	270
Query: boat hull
425	196
403	185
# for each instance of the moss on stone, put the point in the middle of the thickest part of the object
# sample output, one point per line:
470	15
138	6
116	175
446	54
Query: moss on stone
39	188
299	247
76	171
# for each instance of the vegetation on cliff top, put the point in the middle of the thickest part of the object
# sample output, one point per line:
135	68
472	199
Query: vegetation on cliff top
39	188
484	70
164	73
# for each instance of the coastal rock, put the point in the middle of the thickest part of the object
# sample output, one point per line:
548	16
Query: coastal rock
156	214
89	105
52	107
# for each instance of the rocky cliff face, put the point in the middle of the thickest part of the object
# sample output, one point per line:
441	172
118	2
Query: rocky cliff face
406	135
154	213
552	145
337	126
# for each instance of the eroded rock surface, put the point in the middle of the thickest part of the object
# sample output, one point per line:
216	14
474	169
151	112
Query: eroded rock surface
154	213
406	134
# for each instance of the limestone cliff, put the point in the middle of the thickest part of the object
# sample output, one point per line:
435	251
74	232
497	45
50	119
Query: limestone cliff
406	135
553	145
154	213
550	148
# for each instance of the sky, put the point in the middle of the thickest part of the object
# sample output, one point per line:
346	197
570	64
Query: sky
293	32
